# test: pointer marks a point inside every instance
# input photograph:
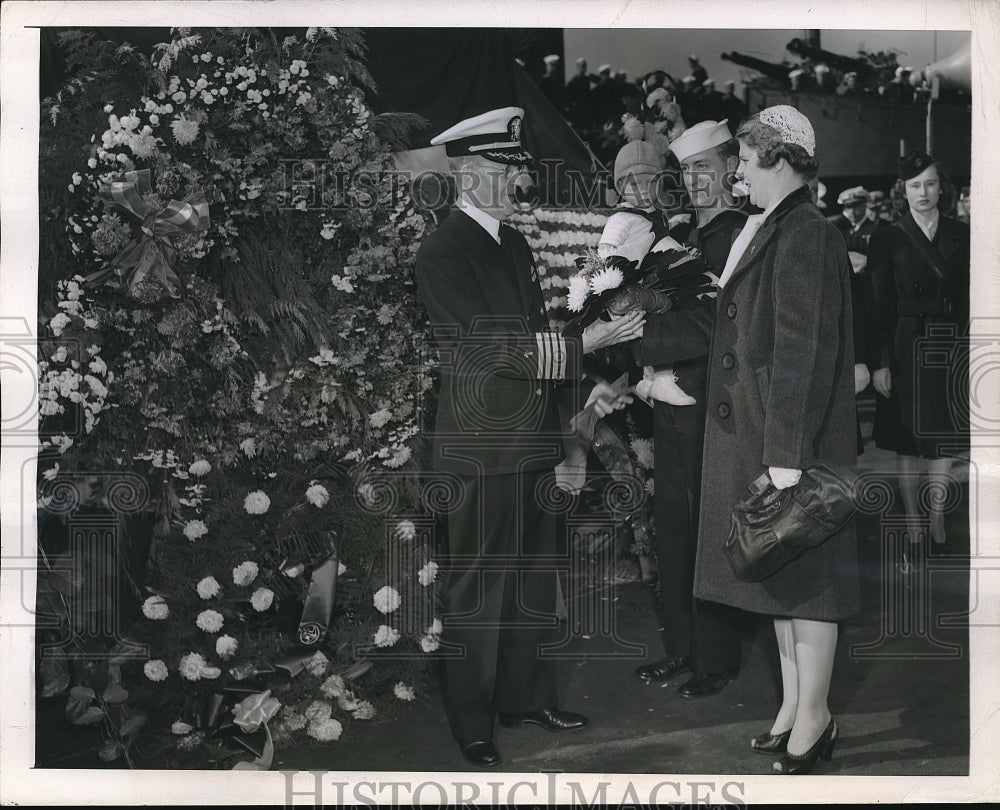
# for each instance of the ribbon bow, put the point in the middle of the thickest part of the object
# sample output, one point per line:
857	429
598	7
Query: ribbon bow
153	253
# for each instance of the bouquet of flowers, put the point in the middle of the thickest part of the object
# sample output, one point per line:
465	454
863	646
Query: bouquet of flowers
670	277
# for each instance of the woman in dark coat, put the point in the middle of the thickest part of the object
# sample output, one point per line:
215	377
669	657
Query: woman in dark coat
780	400
920	275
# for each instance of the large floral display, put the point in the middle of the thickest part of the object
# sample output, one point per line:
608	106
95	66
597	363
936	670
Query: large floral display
231	335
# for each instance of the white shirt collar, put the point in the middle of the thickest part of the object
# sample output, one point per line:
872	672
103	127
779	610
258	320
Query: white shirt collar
489	223
928	223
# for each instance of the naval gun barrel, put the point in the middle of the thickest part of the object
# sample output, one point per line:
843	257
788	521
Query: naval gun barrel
845	64
771	69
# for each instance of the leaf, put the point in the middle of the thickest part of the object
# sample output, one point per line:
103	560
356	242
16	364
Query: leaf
115	693
79	716
132	725
82	693
110	751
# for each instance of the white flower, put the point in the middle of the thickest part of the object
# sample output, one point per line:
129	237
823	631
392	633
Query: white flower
180	727
405	530
386	636
364	711
155	670
435	628
342	284
155	608
210	621
317	664
609	278
210	672
208	587
317	495
402	691
386	599
256	503
643	449
427	574
379	418
262	599
185	131
58	323
649	487
249	448
245	573
333	687
194	529
318	711
325	730
400	458
225	646
192	666
429	643
199	468
578	291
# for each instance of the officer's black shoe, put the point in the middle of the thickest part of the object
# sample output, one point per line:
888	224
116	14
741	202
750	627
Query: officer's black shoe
665	670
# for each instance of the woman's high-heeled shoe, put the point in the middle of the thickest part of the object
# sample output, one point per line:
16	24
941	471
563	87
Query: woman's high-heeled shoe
804	763
768	743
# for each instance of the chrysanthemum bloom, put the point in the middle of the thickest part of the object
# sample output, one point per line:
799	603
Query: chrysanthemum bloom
386	636
578	291
155	670
262	599
155	608
379	418
643	449
210	621
317	495
245	573
208	588
317	664
192	666
257	502
225	646
180	727
333	686
185	131
194	529
429	643
609	278
318	710
403	692
364	711
200	468
293	721
325	730
386	599
406	530
427	574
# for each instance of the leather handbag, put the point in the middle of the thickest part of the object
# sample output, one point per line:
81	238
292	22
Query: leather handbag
772	526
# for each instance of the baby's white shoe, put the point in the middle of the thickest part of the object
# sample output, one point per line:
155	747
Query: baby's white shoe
666	389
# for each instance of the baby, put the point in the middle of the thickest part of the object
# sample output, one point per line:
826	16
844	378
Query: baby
629	233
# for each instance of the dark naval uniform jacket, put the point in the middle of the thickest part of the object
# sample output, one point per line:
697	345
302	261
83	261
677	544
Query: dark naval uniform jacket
500	363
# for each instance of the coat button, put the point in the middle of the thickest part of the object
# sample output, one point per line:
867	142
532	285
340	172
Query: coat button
728	361
724	410
538	392
731	310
